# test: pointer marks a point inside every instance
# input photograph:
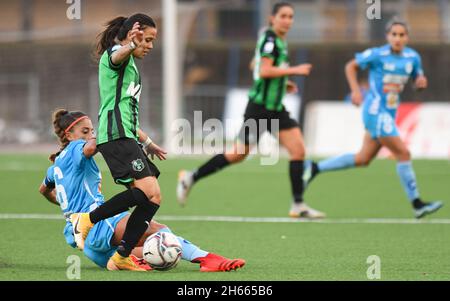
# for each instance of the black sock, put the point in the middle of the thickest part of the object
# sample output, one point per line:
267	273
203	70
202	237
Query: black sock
315	169
215	164
296	175
417	203
117	204
137	223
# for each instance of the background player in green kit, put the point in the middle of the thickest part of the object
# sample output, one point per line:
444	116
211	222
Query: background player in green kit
118	135
271	83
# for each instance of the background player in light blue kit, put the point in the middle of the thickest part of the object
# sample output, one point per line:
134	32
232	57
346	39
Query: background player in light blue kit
73	182
390	67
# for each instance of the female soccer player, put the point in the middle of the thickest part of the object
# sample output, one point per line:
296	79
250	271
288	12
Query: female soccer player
271	71
390	67
123	41
73	183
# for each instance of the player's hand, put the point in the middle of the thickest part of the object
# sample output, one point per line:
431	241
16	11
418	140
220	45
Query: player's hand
136	34
292	87
421	82
154	150
303	69
357	98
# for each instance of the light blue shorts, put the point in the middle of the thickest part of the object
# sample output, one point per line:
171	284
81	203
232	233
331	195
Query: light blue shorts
380	125
97	246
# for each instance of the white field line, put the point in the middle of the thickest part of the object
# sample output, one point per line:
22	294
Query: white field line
241	219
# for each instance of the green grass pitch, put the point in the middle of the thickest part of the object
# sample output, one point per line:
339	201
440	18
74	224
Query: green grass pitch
35	249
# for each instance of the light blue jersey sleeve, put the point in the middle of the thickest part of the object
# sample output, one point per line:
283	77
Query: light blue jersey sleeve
78	156
417	67
367	58
49	180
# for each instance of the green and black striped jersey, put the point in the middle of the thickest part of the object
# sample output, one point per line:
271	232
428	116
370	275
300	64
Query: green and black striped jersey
270	91
120	89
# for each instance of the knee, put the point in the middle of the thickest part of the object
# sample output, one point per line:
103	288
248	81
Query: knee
155	227
153	195
155	198
363	161
236	158
298	154
404	155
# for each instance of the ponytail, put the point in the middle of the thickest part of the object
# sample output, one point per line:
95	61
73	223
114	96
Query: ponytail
62	121
117	30
107	38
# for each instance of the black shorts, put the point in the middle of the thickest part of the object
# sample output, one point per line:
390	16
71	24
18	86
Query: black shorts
258	120
127	161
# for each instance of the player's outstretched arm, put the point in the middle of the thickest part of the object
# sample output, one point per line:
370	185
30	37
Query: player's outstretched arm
90	148
49	194
268	70
135	37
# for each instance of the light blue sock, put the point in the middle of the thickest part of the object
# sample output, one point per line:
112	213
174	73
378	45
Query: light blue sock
408	179
189	250
336	163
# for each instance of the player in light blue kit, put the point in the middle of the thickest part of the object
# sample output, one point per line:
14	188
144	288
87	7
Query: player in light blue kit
74	181
390	68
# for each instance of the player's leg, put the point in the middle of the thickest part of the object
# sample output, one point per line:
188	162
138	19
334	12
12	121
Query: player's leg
127	162
209	262
236	155
186	178
129	231
292	140
147	194
149	200
366	154
121	202
248	137
407	176
363	158
190	252
99	247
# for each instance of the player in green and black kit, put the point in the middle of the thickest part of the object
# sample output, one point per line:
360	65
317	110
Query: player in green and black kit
271	71
118	135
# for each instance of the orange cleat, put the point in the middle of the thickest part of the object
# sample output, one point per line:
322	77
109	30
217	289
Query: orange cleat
141	263
130	263
216	263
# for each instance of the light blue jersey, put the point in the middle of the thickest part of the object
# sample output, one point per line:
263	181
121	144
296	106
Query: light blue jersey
388	74
77	181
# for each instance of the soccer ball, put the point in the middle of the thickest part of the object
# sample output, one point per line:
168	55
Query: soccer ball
162	251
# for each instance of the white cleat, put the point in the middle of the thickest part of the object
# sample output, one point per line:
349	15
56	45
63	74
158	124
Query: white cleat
185	182
303	210
428	208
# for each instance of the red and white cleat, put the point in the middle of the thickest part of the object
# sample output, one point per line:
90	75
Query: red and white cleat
216	263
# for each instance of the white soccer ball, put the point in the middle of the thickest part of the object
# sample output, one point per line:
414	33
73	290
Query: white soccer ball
162	251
